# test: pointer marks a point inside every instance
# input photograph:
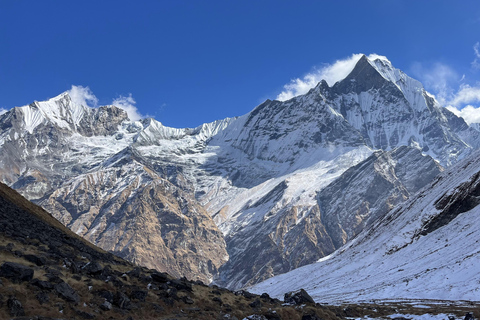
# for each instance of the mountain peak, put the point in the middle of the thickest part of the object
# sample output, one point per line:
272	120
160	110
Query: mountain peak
363	77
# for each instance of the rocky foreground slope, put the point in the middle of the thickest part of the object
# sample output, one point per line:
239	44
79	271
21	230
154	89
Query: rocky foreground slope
238	200
48	272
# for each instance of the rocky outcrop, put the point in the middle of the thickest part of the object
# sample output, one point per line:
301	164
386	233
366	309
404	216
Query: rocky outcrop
128	209
372	188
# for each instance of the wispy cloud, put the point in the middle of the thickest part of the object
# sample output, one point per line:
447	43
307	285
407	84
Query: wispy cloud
461	103
439	78
2	111
469	113
83	96
128	104
465	95
476	61
330	73
450	88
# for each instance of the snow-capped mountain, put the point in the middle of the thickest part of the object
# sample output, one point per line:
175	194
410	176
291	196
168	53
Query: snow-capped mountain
271	180
426	248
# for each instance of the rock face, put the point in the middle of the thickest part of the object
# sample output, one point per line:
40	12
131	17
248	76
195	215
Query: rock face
16	272
372	188
264	190
430	239
141	217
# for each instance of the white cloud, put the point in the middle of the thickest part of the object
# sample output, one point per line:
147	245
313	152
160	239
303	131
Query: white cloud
83	96
2	111
469	113
330	73
466	94
128	104
460	104
439	79
476	62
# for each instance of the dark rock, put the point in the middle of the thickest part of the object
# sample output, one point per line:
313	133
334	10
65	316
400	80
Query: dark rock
200	283
39	261
181	284
54	271
10	246
217	299
159	277
265	296
16	272
273	316
106	306
66	292
93	268
310	317
298	297
18	253
218	293
42	297
107	271
157	308
256	304
84	314
15	307
245	294
107	295
72	265
113	280
187	300
53	278
168	301
135	272
469	316
121	300
44	285
138	295
172	293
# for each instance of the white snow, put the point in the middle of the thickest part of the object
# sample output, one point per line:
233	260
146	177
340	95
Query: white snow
391	260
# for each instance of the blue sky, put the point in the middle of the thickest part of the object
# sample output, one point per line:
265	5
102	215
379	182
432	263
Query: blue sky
190	62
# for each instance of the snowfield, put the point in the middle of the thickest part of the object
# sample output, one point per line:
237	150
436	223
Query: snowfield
395	259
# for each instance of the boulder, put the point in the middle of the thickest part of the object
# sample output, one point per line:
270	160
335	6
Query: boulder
93	268
256	304
469	316
298	297
15	307
44	285
66	292
159	277
139	295
16	272
121	300
106	306
39	261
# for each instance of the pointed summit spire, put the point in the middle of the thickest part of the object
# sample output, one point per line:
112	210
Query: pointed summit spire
363	77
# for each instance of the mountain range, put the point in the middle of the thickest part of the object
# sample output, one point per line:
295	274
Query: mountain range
240	200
